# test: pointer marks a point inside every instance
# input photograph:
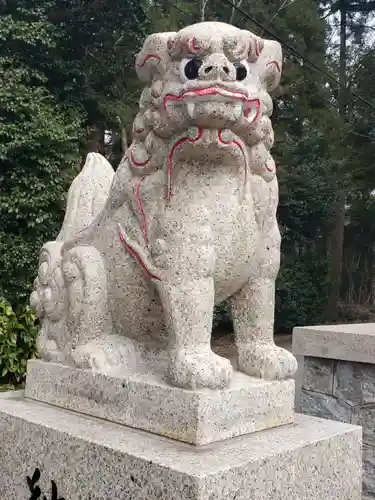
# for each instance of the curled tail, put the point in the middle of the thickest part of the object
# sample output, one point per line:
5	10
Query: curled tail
87	196
70	291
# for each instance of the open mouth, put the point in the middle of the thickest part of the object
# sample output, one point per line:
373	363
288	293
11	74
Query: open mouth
251	107
217	92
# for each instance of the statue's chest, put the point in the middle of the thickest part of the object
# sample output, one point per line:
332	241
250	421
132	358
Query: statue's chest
226	205
236	242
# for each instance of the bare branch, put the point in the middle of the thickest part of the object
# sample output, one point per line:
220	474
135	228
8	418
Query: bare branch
204	4
237	5
282	6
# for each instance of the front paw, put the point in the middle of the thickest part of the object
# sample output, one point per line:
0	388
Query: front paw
105	354
195	370
48	351
266	361
89	356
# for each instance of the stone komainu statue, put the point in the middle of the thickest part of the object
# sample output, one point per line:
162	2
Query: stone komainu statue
187	221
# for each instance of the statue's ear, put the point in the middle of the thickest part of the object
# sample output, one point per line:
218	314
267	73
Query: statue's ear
154	57
269	64
247	46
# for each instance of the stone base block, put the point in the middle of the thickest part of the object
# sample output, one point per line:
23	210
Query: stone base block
145	401
88	458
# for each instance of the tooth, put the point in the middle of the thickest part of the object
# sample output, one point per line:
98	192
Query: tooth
237	111
252	114
190	109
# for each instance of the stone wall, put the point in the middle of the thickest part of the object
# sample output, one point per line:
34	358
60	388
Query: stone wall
343	391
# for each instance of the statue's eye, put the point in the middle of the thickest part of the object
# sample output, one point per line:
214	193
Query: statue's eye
190	68
241	70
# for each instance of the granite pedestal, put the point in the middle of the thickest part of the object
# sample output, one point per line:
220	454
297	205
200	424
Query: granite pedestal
92	459
143	399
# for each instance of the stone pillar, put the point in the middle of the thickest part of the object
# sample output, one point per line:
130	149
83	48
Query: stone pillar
336	380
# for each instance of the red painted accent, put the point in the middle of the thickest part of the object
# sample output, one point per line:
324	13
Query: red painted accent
147	58
258	50
205	91
276	64
249	108
171	97
269	169
136	163
141	210
171	153
239	145
184	45
192	46
140	131
134	254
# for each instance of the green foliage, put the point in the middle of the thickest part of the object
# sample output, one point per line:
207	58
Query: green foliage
300	293
222	316
38	148
18	334
93	67
66	68
305	210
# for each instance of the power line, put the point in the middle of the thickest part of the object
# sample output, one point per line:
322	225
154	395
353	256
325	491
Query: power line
291	49
179	9
296	53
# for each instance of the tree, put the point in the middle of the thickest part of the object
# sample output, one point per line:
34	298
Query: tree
352	23
358	285
165	15
94	61
38	145
67	75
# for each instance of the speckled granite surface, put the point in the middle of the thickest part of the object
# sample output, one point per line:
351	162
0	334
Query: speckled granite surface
93	459
189	220
146	401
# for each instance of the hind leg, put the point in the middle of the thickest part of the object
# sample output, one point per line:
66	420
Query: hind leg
95	341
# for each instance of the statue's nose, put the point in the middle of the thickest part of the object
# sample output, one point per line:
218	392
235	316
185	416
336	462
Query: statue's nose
216	70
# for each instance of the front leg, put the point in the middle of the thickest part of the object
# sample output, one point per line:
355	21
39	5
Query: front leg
253	307
253	313
186	256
